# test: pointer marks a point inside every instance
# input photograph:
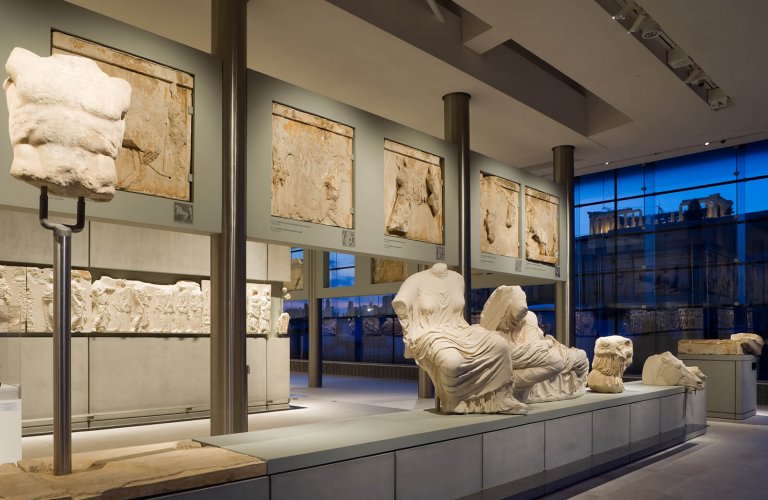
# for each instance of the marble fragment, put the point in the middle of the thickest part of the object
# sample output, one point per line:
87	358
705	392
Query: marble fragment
542	230
709	346
282	323
499	205
751	343
543	368
613	355
470	366
311	168
413	193
259	308
66	122
13	288
666	369
155	154
388	270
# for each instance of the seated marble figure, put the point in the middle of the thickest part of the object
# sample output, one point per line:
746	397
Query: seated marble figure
476	369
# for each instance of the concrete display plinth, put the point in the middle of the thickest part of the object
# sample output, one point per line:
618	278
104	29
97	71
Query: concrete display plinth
10	424
731	383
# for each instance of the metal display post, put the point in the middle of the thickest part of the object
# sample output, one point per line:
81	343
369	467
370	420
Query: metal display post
565	291
62	334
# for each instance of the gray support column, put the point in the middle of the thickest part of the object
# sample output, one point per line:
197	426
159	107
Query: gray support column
312	261
229	391
456	115
565	297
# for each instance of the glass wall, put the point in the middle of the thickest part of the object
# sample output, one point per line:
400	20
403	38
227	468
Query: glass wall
673	249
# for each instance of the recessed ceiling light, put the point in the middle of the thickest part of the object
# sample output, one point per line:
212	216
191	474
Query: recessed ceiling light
607	162
706	143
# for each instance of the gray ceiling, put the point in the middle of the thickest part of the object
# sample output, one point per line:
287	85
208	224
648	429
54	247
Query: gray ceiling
584	80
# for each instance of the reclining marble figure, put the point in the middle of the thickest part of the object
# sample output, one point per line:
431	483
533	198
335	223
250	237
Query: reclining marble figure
66	122
470	366
666	369
613	354
543	368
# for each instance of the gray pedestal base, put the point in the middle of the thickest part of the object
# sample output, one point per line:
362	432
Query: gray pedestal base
731	383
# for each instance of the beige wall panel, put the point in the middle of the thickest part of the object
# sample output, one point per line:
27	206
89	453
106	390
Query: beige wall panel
132	248
27	242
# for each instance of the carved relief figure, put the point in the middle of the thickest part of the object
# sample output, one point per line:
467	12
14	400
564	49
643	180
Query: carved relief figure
543	368
81	301
39	300
140	314
13	285
205	287
100	304
307	148
541	226
195	310
413	193
499	204
66	121
259	308
469	365
155	156
613	355
282	323
666	369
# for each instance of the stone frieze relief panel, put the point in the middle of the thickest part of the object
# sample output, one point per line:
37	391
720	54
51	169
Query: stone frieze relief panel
156	153
499	206
312	159
413	193
542	230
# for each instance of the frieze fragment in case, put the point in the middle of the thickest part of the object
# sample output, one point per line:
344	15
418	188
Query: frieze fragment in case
542	230
156	153
499	207
413	193
311	168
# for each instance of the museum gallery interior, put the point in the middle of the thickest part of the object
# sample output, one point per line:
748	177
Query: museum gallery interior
282	249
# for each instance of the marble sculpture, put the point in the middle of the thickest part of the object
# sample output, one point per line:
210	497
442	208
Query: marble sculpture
613	355
413	193
282	323
156	153
542	233
38	300
492	367
499	204
666	369
544	369
739	343
311	168
66	121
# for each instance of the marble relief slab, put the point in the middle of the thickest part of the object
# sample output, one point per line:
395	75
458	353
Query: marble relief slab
542	230
156	154
258	307
413	193
13	286
312	160
38	302
499	209
388	270
205	287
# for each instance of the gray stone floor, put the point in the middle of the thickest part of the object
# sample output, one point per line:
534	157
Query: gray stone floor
726	463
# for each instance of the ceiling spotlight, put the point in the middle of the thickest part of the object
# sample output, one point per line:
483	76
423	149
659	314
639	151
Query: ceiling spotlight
624	12
650	29
706	143
695	76
607	162
639	20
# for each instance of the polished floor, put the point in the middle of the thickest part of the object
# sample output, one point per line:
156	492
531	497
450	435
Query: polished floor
726	463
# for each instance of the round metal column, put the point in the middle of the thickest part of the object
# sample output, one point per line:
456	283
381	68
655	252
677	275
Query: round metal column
229	390
565	298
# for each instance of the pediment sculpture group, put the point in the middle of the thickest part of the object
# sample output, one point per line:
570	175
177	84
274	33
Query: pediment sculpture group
506	361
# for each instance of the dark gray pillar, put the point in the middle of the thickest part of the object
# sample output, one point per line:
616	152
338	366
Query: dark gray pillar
456	115
229	391
565	297
312	260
